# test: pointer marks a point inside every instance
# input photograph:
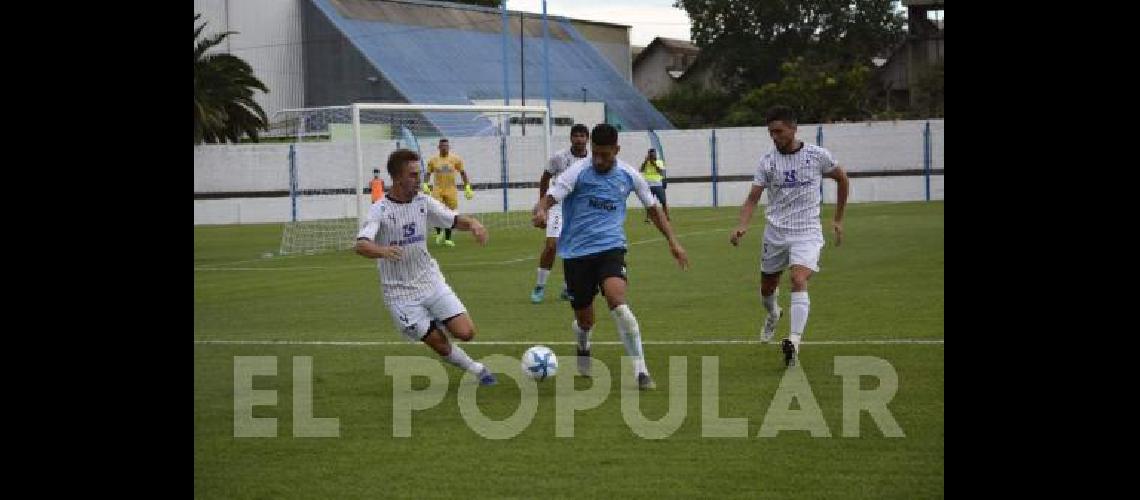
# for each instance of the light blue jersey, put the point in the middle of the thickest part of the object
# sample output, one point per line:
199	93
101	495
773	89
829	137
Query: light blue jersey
593	206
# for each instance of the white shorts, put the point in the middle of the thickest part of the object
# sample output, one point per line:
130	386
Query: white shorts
775	258
554	221
414	319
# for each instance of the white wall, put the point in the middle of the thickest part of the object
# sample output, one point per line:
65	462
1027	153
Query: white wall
879	146
863	190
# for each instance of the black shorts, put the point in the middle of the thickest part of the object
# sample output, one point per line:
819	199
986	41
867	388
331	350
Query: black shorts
584	275
659	192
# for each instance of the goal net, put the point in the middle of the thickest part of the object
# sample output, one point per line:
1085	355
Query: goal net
338	150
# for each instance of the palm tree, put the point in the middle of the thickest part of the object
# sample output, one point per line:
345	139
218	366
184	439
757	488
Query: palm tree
224	108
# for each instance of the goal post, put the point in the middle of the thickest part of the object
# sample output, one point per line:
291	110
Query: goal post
338	150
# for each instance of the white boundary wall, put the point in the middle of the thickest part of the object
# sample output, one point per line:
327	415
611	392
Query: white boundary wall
860	147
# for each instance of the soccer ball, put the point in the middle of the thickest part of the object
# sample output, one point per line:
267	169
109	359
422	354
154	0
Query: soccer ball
539	362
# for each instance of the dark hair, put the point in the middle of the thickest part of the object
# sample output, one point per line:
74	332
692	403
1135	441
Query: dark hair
398	159
780	113
444	140
578	128
604	134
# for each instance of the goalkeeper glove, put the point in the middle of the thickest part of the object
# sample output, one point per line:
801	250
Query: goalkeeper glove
427	188
467	192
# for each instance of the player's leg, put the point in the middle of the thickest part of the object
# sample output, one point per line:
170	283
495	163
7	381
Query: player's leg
414	321
659	193
454	319
804	260
546	257
611	271
553	232
456	356
545	263
435	193
773	261
451	199
583	286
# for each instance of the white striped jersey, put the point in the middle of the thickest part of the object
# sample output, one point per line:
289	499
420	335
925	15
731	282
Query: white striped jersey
415	275
793	183
562	161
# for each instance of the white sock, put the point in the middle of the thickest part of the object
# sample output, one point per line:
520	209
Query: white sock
630	336
801	306
460	358
542	275
583	336
770	300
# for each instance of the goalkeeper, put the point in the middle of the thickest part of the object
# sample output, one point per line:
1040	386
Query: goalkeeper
444	166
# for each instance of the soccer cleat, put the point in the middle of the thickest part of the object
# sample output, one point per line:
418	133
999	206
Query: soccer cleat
770	325
537	295
584	360
789	352
565	295
486	377
449	243
645	382
438	238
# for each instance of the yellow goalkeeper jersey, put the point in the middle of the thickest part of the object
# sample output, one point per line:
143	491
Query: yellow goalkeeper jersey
444	170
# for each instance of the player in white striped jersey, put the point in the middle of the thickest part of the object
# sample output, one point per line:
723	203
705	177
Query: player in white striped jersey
793	236
579	136
421	303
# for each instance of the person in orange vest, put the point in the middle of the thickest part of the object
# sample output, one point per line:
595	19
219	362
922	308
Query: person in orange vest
377	186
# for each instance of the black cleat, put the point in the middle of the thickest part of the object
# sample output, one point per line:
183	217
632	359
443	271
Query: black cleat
645	382
789	352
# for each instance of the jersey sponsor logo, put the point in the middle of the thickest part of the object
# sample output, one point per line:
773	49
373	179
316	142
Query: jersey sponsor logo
408	241
601	204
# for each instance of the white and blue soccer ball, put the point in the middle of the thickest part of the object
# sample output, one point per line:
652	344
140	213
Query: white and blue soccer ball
539	362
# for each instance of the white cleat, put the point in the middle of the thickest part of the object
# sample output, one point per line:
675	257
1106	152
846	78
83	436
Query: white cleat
769	330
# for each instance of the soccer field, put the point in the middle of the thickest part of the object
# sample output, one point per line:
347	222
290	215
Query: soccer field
879	295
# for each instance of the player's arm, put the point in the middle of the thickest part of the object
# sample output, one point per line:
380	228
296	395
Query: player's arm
467	192
427	178
746	213
543	184
539	213
641	187
562	187
365	247
369	249
467	223
658	217
843	185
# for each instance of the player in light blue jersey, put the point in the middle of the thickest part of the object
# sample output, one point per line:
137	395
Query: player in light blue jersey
593	243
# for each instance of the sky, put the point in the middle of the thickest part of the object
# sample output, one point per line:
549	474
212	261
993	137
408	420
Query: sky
648	18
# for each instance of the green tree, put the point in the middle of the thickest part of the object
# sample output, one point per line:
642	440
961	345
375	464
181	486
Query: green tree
691	106
224	109
749	39
930	93
819	93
